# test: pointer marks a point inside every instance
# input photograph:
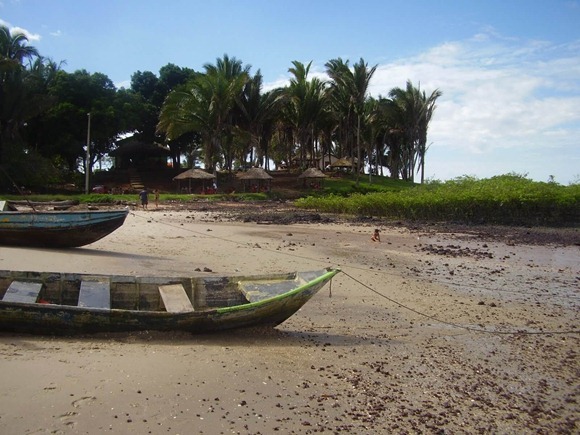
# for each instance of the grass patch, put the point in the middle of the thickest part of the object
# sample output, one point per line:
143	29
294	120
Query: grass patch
346	186
505	200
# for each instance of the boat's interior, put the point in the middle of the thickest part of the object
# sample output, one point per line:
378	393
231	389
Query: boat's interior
142	293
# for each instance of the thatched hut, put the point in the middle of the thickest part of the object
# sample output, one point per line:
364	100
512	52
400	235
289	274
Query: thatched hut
194	174
314	176
345	162
256	180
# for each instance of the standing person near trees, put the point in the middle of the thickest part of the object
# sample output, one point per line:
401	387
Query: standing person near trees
144	197
156	193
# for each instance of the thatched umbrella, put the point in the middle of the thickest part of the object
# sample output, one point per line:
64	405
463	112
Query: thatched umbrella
312	173
345	162
258	175
194	174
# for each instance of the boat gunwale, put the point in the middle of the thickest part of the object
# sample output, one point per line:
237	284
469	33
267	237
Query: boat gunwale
120	211
330	273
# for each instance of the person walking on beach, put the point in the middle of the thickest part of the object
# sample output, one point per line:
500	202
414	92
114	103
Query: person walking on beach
376	237
144	196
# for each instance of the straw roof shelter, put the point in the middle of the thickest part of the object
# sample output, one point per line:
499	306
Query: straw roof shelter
311	174
257	178
194	174
345	162
197	174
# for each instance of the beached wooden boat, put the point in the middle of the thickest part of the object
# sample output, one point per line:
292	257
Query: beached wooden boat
25	202
57	229
69	303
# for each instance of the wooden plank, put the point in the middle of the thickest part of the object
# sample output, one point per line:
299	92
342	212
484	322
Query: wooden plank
25	292
95	294
175	299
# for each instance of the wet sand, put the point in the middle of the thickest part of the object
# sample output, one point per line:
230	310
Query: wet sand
425	332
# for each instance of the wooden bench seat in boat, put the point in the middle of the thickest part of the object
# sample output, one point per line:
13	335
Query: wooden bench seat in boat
175	299
95	293
21	291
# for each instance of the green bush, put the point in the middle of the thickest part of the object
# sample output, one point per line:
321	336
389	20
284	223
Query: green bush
508	199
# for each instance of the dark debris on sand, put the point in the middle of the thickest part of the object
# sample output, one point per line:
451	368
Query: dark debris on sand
285	213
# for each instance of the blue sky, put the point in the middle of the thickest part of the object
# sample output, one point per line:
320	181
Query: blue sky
509	70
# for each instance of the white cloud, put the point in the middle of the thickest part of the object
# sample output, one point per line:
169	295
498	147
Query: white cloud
31	36
279	83
507	105
505	100
123	84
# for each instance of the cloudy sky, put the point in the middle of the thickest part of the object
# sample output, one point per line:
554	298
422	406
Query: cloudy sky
509	70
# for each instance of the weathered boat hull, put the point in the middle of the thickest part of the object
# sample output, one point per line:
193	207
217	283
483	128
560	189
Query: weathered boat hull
58	229
238	312
63	203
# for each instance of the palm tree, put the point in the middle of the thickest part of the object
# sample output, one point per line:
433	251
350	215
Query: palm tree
390	120
409	103
14	51
349	89
428	109
372	135
341	104
259	112
206	104
272	103
416	109
305	103
361	80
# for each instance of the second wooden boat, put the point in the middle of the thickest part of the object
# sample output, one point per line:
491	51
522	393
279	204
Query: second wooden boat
58	229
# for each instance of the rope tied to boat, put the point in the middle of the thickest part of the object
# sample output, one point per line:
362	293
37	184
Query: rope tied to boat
399	304
456	325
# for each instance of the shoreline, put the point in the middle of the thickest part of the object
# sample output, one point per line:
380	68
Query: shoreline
391	347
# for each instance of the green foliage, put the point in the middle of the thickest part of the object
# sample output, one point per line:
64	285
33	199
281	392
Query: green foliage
346	185
29	170
508	200
504	200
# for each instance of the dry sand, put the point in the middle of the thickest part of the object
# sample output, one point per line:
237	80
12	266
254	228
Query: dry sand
424	332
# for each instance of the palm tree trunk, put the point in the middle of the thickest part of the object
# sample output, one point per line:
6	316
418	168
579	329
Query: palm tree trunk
358	151
423	167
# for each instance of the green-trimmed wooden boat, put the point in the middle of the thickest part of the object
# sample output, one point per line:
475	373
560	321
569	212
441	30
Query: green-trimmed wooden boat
71	303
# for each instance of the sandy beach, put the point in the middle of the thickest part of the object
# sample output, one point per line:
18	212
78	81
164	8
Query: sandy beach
431	330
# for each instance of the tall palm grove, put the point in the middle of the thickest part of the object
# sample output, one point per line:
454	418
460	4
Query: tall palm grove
220	116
